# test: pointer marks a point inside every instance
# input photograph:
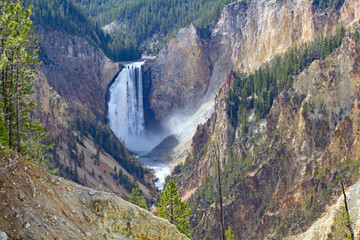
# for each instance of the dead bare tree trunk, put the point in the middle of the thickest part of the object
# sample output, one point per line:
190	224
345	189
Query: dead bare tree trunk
11	104
217	156
18	111
352	235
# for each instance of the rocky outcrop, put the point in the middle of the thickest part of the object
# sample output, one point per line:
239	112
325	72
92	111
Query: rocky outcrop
322	228
77	70
217	132
36	205
57	116
51	109
350	13
311	136
70	73
190	69
247	35
179	77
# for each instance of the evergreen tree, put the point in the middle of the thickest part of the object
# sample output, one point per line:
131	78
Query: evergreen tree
81	159
97	158
228	234
76	174
343	223
259	89
18	66
244	121
173	209
87	125
217	157
136	199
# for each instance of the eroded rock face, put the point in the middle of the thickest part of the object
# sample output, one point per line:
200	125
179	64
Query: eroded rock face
179	76
350	13
57	113
56	116
36	205
217	132
77	70
308	128
246	36
322	228
52	109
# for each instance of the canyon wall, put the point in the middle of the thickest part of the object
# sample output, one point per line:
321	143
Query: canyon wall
52	109
58	116
74	80
190	70
294	159
77	71
179	76
313	126
322	228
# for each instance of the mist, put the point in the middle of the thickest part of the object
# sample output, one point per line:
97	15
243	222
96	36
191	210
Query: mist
184	126
144	143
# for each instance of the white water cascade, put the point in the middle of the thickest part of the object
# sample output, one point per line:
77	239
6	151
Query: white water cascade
125	108
126	117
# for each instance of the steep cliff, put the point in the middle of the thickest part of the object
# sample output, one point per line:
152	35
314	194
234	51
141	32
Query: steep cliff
322	228
247	35
74	80
52	109
58	116
179	76
36	205
279	177
76	70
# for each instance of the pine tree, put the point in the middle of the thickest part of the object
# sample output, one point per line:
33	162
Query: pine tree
244	120
228	234
18	66
97	158
76	174
173	209
81	159
343	223
217	157
136	199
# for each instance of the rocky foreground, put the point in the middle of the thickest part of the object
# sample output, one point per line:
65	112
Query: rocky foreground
37	205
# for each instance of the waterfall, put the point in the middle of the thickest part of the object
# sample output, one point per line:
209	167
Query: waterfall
125	107
126	117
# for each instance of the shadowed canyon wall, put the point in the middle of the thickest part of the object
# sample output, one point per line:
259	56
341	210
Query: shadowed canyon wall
76	70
